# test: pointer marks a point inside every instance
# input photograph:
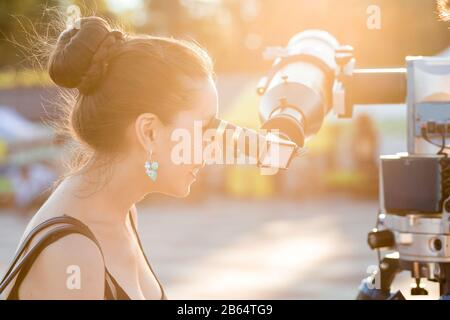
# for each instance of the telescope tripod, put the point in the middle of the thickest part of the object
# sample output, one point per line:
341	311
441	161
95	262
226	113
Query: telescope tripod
378	286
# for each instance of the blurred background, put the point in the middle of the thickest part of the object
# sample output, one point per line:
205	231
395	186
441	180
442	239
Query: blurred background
298	234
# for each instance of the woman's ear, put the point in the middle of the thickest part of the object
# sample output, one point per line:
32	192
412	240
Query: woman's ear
145	127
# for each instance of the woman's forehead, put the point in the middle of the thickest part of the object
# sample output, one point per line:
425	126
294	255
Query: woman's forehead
202	102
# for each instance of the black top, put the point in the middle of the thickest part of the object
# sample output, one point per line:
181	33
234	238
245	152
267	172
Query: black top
66	225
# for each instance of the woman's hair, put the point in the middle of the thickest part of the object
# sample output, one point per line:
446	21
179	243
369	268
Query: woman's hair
118	77
443	7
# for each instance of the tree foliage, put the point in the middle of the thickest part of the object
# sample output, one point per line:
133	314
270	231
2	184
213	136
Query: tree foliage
236	32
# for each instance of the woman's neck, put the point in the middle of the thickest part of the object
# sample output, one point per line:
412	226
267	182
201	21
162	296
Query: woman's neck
105	194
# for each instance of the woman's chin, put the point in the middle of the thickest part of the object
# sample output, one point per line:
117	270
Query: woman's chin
182	192
181	195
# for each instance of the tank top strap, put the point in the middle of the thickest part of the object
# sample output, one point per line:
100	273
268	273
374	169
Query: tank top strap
23	260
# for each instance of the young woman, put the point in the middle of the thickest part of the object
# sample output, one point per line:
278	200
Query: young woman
132	93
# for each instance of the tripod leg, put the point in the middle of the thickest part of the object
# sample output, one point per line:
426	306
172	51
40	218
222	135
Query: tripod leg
444	281
378	286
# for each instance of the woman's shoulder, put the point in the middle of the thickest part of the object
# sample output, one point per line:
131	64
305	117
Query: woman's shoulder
69	268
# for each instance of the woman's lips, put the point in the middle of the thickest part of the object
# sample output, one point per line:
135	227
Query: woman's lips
194	173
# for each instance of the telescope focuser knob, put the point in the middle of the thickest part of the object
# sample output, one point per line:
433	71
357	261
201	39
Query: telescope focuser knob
380	239
343	55
283	102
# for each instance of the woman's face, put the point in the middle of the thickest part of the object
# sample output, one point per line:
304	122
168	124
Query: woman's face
178	145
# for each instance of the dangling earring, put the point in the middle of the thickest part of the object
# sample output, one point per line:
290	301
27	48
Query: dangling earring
151	168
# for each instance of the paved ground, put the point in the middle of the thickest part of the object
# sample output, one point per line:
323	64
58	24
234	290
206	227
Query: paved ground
249	249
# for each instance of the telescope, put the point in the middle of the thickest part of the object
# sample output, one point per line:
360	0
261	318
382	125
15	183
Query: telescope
313	75
308	78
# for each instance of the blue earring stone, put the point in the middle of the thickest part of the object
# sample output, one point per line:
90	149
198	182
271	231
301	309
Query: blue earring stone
151	168
153	175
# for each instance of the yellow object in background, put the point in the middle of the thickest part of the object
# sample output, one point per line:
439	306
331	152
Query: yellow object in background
3	151
247	182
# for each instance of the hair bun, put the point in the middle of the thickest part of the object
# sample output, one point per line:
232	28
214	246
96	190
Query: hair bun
79	59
